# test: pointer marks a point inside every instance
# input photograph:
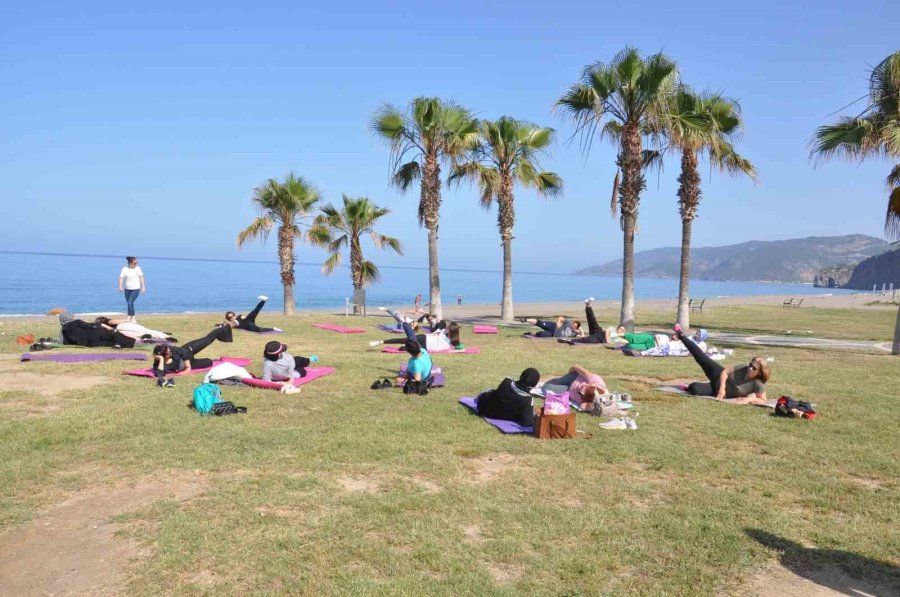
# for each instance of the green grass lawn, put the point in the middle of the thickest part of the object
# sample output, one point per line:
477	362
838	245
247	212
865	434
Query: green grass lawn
349	491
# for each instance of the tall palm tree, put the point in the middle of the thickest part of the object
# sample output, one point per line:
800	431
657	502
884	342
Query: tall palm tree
697	125
285	205
429	133
873	133
505	153
621	100
351	222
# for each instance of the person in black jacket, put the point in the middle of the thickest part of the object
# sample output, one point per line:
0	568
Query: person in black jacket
81	333
511	401
175	359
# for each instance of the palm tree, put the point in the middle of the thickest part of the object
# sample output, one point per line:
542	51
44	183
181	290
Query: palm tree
622	100
874	133
356	218
286	205
699	124
428	133
505	153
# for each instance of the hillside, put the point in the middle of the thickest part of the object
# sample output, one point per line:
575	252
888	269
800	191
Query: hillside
793	260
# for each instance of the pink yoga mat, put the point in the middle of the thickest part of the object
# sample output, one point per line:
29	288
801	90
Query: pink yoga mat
485	329
338	329
312	373
394	349
239	361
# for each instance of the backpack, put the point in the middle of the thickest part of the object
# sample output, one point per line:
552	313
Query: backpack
206	395
788	407
417	387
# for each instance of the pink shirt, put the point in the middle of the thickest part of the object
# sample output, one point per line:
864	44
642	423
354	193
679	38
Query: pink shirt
578	386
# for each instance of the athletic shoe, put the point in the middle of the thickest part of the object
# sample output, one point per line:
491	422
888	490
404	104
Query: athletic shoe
277	330
263	297
376	385
382	308
614	424
630	423
386	383
588	301
313	359
376	342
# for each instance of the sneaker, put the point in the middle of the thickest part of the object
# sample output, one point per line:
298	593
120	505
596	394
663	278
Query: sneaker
313	359
386	383
382	308
588	300
277	330
614	424
630	423
263	297
374	343
376	385
169	383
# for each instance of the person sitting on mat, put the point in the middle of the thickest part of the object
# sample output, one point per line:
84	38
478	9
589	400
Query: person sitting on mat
561	328
582	385
175	359
418	369
135	330
248	322
512	400
440	340
279	363
745	384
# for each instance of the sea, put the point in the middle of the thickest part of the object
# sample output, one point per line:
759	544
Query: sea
34	283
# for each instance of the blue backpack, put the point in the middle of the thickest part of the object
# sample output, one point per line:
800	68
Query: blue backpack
206	396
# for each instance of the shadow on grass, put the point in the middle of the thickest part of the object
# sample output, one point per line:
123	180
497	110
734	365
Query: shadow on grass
865	576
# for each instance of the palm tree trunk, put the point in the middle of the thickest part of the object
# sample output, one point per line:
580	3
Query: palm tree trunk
688	200
429	213
630	163
356	259
506	307
506	219
896	347
684	313
286	260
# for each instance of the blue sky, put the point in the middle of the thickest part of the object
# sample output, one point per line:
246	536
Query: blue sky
143	130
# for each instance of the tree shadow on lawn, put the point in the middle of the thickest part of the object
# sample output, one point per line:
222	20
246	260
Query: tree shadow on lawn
864	576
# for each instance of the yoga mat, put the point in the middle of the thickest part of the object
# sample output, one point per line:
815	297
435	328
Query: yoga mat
503	426
269	333
683	391
312	373
389	328
336	328
437	377
530	336
396	349
239	361
83	357
485	329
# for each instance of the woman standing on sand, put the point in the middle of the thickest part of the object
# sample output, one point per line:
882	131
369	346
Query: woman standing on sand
131	282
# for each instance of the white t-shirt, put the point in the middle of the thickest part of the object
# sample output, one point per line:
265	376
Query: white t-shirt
132	277
437	342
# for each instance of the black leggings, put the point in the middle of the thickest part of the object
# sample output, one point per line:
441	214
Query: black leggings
248	321
711	369
300	365
222	333
596	335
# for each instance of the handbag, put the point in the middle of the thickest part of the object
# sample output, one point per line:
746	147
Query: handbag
550	426
227	408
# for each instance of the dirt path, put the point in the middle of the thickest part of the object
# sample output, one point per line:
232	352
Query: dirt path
72	548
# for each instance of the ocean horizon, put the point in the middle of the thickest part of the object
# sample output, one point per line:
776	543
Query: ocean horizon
32	283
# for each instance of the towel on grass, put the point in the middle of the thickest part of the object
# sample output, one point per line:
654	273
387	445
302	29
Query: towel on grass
239	361
501	424
83	357
396	349
336	328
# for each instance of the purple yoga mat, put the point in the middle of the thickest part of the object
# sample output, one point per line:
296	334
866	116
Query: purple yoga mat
269	333
503	426
395	349
437	377
83	357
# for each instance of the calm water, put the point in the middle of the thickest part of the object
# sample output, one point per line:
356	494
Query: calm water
33	284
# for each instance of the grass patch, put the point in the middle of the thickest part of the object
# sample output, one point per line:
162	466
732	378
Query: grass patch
345	490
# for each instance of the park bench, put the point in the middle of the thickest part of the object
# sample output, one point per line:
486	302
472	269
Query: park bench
792	303
696	306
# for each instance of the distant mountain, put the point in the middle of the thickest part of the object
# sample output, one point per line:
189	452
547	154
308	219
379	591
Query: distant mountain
883	269
794	260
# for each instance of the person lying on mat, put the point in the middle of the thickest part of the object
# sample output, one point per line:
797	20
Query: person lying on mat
418	367
582	385
135	330
512	400
745	384
248	321
279	363
78	332
175	359
595	335
439	340
673	348
637	341
561	328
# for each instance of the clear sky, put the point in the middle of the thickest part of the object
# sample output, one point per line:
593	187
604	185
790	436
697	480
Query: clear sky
143	129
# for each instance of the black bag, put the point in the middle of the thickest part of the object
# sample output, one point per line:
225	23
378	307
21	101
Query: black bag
788	407
413	386
227	408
